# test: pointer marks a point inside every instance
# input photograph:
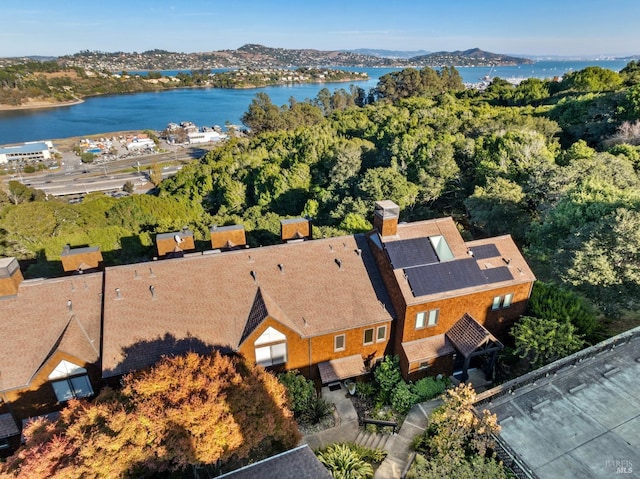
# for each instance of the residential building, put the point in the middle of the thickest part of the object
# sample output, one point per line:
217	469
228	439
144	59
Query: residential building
50	342
451	297
329	308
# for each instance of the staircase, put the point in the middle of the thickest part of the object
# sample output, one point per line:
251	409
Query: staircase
372	440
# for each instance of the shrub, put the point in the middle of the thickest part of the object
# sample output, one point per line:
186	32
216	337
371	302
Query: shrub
428	388
317	409
387	376
365	389
402	398
552	302
344	462
300	391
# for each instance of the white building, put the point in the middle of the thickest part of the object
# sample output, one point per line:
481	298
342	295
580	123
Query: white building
138	144
205	136
32	151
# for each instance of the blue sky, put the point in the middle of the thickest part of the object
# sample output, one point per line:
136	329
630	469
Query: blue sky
542	27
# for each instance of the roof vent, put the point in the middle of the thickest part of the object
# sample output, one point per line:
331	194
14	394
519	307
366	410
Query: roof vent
281	267
339	263
69	305
253	275
118	293
470	253
359	252
506	260
152	288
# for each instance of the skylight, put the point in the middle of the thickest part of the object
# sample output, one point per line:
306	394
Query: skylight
441	248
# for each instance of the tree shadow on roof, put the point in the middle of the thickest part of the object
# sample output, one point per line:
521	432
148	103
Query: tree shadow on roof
146	353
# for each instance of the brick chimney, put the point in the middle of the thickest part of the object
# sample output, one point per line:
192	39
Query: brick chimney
10	277
227	237
175	244
385	217
295	229
80	259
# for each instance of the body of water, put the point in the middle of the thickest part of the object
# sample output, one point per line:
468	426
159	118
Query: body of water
214	106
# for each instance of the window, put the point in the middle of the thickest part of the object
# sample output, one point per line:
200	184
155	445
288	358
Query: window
69	388
496	303
271	355
368	336
423	365
502	302
427	318
339	343
433	317
508	298
382	334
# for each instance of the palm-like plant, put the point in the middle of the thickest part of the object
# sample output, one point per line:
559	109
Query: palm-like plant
345	463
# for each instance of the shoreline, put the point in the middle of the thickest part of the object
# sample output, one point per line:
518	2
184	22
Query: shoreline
38	105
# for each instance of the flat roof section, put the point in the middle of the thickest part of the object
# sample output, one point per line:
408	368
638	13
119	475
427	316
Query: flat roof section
579	419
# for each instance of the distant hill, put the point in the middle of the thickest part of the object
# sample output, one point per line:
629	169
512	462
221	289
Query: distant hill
468	58
258	56
389	53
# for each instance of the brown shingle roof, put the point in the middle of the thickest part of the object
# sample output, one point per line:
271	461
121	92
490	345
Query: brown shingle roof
467	335
342	368
39	320
211	297
427	348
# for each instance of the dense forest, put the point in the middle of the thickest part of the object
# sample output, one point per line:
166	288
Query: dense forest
555	164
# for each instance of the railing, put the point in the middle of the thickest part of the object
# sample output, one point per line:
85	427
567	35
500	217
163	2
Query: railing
507	455
511	459
379	422
558	366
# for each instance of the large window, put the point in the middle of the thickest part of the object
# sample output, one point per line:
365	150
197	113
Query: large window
339	343
427	318
271	355
271	348
70	381
69	388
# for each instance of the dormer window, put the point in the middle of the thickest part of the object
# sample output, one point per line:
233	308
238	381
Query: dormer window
271	348
70	381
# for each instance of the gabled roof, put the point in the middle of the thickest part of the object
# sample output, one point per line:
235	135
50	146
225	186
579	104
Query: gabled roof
313	288
47	316
467	335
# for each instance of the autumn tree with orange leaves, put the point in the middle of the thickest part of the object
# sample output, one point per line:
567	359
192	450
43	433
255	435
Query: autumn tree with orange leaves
186	411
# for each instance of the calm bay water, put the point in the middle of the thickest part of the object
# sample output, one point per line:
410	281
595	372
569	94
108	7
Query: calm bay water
214	106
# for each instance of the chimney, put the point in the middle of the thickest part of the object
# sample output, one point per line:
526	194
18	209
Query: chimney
10	277
172	245
78	260
295	229
385	217
228	237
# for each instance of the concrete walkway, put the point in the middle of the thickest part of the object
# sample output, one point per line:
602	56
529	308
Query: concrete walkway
398	446
346	428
